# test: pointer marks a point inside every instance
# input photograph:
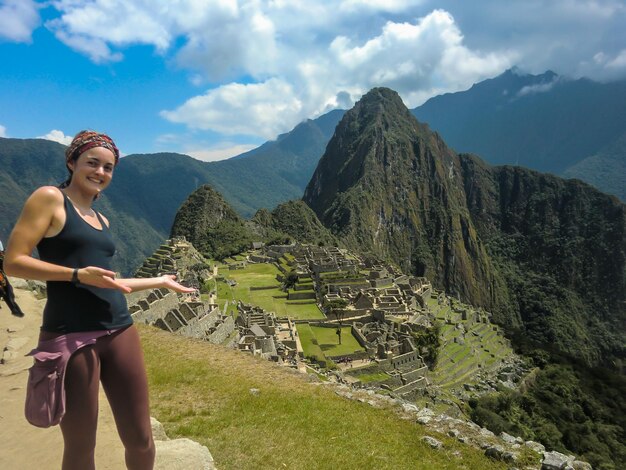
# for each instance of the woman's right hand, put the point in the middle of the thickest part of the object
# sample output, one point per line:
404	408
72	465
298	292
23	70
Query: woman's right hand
98	277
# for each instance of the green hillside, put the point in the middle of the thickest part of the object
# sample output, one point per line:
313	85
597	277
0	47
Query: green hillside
544	122
254	414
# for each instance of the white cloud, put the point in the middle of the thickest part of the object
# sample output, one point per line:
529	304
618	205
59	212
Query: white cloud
394	6
262	109
224	151
57	136
268	64
619	61
538	88
411	58
3	131
18	19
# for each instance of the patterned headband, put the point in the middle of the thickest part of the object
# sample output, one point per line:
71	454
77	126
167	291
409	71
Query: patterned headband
86	140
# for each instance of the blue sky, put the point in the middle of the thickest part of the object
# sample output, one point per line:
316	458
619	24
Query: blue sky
212	79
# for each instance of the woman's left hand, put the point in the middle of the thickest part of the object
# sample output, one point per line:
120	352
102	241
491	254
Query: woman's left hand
169	282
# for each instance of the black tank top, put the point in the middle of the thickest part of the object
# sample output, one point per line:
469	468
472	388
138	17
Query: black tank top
71	308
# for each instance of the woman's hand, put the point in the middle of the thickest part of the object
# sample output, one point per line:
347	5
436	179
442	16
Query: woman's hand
98	277
168	281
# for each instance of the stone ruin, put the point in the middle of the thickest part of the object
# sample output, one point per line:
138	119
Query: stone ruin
393	347
182	314
179	257
261	333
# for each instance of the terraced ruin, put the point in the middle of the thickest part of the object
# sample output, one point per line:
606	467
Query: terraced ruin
328	311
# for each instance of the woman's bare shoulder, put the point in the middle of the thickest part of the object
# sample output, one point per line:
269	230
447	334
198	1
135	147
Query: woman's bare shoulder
46	195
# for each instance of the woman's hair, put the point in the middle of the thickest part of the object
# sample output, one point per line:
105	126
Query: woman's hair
82	142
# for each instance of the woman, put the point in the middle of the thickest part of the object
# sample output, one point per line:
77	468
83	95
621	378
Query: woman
85	298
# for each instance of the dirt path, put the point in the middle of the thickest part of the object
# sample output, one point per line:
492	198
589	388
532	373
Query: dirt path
22	446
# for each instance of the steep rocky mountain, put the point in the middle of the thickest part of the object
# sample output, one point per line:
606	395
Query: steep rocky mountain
544	122
389	186
545	255
211	224
292	220
216	230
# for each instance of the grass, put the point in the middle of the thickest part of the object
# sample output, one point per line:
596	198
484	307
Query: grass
203	394
373	377
311	349
272	300
329	343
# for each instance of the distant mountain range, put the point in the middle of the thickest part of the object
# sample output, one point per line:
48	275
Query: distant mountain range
574	128
577	128
147	190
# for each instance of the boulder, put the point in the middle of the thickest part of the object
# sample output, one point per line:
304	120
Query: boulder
536	446
495	452
432	442
507	438
182	454
410	408
556	461
158	432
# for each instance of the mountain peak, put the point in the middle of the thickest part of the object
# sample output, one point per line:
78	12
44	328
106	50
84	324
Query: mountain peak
378	101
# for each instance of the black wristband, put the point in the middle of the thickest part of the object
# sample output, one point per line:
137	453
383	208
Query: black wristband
75	280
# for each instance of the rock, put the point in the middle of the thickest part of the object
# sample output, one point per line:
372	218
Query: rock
39	288
7	356
18	283
347	395
536	446
580	465
495	452
182	454
424	420
255	391
510	457
453	433
426	412
409	408
507	438
158	432
486	432
556	461
432	442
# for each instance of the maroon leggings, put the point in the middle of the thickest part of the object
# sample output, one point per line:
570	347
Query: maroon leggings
117	361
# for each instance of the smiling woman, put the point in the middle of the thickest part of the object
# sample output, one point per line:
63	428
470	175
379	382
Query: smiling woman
87	336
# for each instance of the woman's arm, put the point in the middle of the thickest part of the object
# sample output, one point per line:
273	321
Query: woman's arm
167	281
40	214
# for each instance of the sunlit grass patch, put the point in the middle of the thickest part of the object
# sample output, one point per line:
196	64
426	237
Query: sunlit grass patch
328	341
202	391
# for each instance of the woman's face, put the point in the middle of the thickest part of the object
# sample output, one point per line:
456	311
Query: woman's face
93	169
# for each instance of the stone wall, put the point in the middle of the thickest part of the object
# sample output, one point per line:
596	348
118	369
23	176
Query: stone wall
301	295
146	311
406	361
411	386
223	330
